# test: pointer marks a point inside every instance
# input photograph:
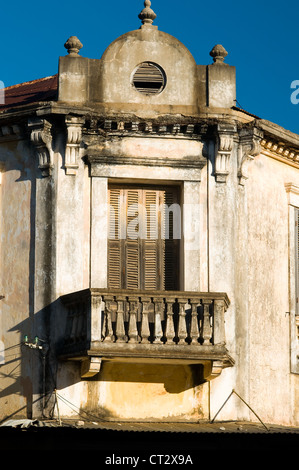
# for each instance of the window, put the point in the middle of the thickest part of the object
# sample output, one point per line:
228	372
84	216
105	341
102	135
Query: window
149	78
144	236
293	216
297	274
294	312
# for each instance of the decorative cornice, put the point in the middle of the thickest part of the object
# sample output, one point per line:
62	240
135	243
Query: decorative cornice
40	136
154	128
280	151
292	188
96	158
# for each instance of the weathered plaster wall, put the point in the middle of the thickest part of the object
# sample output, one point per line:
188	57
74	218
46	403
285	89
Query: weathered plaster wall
123	56
153	391
16	315
243	250
72	228
137	392
250	261
268	284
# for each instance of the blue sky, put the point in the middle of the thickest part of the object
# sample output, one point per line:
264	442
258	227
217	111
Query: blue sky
261	38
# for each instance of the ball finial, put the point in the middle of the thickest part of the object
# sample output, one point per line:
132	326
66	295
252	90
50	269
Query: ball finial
218	53
73	46
147	15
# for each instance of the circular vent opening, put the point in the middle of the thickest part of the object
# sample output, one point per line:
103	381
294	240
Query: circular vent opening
149	79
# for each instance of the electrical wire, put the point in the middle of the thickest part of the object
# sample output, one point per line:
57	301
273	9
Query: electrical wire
74	407
237	103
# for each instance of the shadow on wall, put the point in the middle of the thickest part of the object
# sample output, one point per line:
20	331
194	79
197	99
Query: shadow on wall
31	373
176	378
26	368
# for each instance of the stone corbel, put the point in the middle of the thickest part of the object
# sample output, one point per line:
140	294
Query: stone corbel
249	148
72	150
224	146
213	370
90	367
41	138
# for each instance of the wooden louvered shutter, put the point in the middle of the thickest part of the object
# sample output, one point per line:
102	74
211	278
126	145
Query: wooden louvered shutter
148	78
139	255
171	243
153	278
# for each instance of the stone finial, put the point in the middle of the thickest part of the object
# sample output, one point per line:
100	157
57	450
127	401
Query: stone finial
73	46
218	53
147	15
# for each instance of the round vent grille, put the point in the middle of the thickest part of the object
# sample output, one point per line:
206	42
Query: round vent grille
149	78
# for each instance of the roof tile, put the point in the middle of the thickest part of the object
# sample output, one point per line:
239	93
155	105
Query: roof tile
43	89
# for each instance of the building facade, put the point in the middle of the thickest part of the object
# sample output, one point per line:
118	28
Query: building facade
149	241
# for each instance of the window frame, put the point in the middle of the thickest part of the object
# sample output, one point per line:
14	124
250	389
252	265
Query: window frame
293	216
161	245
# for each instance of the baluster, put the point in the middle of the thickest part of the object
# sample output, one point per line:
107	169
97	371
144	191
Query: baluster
158	318
194	331
206	322
170	333
108	331
182	330
133	333
93	312
120	321
145	331
218	322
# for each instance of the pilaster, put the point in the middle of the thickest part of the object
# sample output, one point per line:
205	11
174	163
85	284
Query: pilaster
223	150
72	149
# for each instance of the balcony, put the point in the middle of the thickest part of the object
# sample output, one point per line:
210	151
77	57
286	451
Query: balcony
141	326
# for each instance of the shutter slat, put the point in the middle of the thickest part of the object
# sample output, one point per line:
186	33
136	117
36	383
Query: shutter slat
114	267
114	245
150	248
132	252
148	78
132	266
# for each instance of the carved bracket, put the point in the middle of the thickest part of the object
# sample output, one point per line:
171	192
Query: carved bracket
249	148
224	146
72	150
41	138
90	367
213	370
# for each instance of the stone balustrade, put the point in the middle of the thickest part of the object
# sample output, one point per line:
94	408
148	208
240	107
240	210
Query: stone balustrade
160	318
124	324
